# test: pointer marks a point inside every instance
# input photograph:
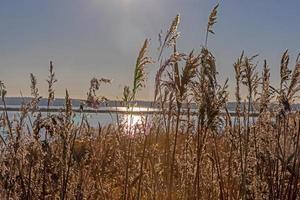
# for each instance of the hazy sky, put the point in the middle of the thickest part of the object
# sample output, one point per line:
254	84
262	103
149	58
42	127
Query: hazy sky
101	38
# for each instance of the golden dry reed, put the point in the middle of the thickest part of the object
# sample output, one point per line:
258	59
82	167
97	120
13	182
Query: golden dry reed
193	149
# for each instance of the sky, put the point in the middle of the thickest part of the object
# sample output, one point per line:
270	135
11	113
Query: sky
101	38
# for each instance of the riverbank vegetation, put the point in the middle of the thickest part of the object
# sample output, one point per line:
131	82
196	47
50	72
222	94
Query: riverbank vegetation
169	155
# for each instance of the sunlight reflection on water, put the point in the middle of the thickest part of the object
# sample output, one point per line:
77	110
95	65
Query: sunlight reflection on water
129	117
135	123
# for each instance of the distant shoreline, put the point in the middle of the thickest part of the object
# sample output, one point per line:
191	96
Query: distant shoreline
115	110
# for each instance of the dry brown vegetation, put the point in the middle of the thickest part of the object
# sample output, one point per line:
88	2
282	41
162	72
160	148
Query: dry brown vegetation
171	155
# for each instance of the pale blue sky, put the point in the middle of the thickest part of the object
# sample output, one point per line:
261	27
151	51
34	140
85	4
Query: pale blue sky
101	38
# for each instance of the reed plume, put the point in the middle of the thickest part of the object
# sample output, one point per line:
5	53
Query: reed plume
139	71
170	37
212	19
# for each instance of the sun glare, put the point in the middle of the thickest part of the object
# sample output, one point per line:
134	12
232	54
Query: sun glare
133	120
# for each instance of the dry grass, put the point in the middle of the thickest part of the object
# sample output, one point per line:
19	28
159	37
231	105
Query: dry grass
172	155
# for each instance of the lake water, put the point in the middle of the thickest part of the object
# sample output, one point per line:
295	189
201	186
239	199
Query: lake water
105	116
94	119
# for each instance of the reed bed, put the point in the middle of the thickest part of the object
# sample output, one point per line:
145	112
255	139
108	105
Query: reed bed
170	155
